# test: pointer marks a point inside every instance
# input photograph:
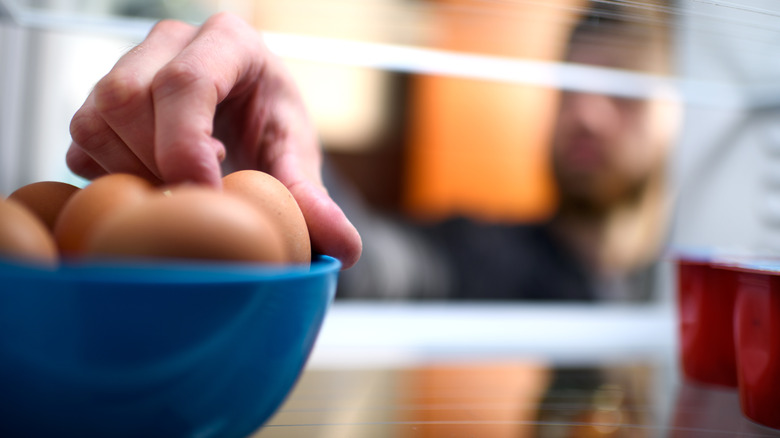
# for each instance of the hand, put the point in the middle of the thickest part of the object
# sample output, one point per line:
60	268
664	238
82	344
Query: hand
189	100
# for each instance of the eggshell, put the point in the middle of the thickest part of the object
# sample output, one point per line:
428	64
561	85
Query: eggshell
45	199
271	197
24	237
102	198
192	223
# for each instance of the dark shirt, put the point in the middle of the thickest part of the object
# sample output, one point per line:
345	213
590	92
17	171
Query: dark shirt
508	262
464	259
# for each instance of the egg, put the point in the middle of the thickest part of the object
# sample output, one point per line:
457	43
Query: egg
189	223
24	237
98	201
45	199
273	199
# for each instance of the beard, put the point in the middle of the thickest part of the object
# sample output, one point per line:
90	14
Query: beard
596	194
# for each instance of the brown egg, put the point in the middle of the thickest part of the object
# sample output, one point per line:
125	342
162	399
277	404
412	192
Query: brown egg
272	198
193	223
102	198
24	237
45	199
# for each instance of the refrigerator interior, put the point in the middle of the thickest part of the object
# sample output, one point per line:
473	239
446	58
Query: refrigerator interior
726	164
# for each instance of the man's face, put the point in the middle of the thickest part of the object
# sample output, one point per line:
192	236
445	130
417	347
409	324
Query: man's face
606	148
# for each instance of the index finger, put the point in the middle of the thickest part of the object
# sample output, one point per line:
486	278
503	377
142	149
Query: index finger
187	90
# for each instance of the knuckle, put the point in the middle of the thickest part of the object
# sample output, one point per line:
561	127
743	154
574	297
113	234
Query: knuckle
118	90
169	26
226	20
85	126
76	159
178	75
230	27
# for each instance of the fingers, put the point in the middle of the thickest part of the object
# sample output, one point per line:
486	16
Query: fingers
115	126
188	90
103	150
155	113
287	146
330	231
88	168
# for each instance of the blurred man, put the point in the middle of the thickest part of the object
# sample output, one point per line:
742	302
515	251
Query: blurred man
609	156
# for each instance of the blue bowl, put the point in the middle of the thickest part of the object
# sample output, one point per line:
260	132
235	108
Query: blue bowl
156	350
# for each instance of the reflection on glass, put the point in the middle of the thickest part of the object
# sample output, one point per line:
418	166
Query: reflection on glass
518	399
488	399
699	408
598	402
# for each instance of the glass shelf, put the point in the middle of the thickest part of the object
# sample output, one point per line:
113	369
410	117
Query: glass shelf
417	37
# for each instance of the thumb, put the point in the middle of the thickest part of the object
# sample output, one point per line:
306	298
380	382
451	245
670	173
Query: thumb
330	231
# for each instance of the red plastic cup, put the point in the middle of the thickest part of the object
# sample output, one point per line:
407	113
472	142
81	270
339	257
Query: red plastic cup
706	297
757	339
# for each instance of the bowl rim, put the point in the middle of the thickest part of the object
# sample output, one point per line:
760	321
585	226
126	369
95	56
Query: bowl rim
174	271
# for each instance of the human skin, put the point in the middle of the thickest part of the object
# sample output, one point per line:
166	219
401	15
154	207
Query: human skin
607	149
191	102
